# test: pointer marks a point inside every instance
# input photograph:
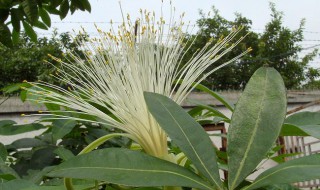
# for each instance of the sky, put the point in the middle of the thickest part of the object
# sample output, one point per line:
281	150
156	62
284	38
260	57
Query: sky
256	10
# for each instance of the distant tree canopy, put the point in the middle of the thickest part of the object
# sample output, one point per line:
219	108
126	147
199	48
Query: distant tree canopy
26	59
33	13
277	46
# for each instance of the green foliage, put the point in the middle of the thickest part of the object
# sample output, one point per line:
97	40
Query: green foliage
246	148
255	124
119	169
33	14
277	46
28	60
177	124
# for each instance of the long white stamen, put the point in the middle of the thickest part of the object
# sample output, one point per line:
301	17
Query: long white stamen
121	65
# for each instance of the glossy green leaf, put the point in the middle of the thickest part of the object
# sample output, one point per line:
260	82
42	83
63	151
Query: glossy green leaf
11	129
62	127
30	8
127	167
297	170
45	17
29	31
64	9
5	35
185	132
255	123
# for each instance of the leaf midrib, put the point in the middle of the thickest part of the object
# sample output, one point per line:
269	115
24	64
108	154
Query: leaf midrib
252	136
272	173
136	170
199	158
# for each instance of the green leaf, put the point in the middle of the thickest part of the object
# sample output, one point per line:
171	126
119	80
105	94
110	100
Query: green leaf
62	127
28	143
12	129
215	112
15	36
185	132
5	35
4	14
280	187
281	158
45	17
4	169
304	118
63	153
312	130
64	9
76	4
3	152
127	167
297	170
291	130
15	87
36	176
86	5
255	123
30	8
17	184
15	19
300	130
216	95
40	25
29	31
5	4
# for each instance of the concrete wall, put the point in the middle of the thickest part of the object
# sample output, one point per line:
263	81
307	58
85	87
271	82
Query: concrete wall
12	108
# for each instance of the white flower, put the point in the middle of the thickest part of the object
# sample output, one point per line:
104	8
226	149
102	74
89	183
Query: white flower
120	66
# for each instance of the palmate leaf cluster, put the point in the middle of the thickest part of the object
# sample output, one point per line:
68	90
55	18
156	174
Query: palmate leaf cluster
275	45
27	14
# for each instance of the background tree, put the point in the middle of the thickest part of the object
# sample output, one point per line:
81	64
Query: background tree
25	60
277	46
31	14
